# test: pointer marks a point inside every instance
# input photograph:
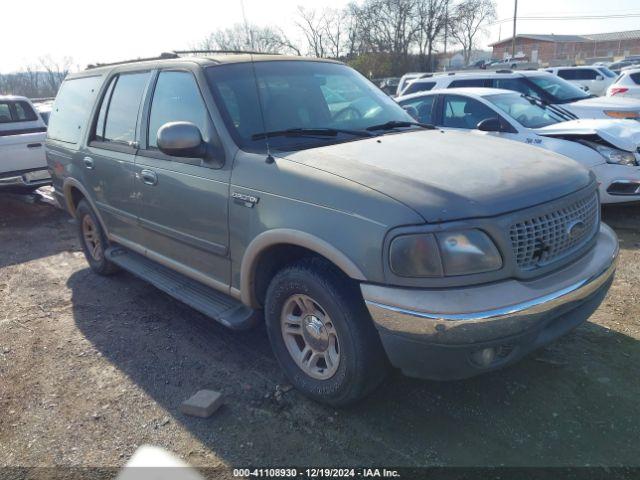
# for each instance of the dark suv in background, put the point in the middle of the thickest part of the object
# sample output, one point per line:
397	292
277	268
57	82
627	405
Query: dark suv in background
294	190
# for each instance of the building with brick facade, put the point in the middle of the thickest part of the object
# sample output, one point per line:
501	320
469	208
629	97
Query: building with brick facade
550	50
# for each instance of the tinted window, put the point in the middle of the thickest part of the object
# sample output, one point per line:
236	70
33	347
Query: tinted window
606	72
559	90
122	111
587	74
477	82
5	113
102	116
421	108
635	77
419	87
24	112
568	74
463	112
72	108
176	99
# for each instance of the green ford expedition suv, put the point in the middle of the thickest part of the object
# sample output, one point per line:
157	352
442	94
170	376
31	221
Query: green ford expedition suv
293	190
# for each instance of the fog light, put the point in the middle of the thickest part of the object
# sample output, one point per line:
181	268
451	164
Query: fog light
484	357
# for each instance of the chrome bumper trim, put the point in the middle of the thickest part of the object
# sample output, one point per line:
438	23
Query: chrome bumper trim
19	181
484	325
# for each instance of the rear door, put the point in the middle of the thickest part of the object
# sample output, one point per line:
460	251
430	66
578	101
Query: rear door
109	159
183	201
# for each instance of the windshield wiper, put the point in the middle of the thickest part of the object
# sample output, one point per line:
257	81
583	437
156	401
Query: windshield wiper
310	132
561	112
399	124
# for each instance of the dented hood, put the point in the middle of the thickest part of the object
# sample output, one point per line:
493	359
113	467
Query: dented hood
622	134
451	175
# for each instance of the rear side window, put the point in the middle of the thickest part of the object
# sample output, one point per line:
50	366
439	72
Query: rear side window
419	87
635	77
176	99
568	74
477	82
119	109
72	108
5	113
421	108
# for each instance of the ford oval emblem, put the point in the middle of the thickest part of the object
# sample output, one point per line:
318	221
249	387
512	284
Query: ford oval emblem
576	229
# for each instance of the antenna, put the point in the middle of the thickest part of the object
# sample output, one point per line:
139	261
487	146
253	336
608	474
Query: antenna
269	158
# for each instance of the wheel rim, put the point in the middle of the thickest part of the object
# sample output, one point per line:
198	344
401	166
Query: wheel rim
91	238
310	337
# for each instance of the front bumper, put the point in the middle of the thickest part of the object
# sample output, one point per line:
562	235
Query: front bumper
30	179
618	183
438	334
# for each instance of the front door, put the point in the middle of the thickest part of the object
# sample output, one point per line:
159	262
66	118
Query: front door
183	209
109	158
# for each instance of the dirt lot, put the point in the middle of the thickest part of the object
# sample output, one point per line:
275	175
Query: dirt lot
91	368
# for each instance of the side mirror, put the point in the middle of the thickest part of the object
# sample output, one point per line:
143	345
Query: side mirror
490	125
181	139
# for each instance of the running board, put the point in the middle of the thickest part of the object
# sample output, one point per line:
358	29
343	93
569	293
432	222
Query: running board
212	303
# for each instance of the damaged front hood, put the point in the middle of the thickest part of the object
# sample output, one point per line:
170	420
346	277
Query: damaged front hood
621	134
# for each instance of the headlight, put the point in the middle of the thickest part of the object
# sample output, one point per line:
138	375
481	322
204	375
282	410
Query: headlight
613	155
621	114
444	254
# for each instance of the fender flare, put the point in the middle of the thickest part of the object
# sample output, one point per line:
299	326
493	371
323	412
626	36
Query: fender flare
70	183
286	236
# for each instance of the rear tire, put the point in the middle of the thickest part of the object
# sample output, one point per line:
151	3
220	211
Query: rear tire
322	334
93	240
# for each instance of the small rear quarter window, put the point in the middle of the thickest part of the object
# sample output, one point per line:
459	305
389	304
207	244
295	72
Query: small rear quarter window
72	108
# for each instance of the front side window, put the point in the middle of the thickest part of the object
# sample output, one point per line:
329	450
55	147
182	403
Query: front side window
515	84
273	96
586	74
421	108
119	109
568	74
176	98
5	113
528	113
606	72
464	112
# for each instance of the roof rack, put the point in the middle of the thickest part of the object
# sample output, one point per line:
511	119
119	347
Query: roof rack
177	54
504	71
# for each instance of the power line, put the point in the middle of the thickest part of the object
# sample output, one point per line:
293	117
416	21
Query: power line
569	17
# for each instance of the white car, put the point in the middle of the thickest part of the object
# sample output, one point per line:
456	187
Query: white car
626	85
544	86
408	78
595	79
23	165
608	147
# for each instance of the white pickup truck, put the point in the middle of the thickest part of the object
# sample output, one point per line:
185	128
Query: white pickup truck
23	165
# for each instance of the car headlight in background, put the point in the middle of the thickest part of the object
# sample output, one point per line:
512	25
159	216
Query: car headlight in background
446	254
622	114
613	155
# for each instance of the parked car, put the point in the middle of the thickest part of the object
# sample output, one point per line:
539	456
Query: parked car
595	79
43	107
408	77
388	85
616	67
608	147
23	165
626	85
362	236
521	62
546	87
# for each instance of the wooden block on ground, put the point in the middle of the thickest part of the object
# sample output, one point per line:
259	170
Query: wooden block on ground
202	404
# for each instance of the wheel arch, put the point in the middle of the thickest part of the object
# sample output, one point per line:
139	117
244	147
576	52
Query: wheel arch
74	192
296	244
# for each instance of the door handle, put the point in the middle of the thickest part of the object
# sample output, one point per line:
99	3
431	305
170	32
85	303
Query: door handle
149	177
88	162
34	145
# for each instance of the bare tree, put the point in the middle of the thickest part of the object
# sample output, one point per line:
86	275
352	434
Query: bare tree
240	38
469	19
432	18
55	71
312	24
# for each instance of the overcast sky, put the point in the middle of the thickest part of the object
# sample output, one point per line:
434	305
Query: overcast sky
101	31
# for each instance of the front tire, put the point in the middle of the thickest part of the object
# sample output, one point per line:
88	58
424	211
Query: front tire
93	240
322	335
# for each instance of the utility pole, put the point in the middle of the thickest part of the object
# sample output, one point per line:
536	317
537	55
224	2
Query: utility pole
513	39
446	29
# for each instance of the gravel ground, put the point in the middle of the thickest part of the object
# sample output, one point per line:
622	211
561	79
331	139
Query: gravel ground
91	368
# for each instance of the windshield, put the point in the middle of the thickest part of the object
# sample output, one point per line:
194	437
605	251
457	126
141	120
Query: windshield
559	90
606	72
298	95
527	112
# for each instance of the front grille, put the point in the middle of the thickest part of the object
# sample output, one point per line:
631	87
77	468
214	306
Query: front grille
545	239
